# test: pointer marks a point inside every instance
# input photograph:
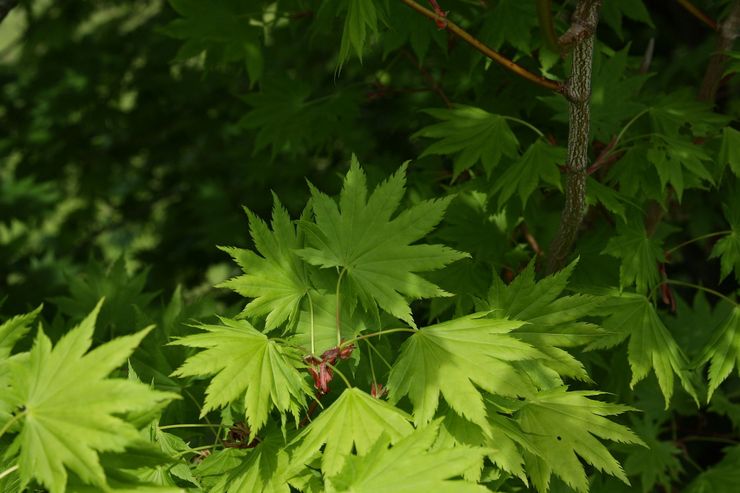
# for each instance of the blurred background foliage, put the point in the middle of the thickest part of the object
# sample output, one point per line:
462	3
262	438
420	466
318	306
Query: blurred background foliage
136	129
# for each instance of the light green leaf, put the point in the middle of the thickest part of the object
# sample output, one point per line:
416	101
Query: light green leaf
277	279
452	358
354	421
472	135
411	465
361	23
565	425
12	330
538	164
371	249
651	345
69	411
723	352
639	255
553	321
247	365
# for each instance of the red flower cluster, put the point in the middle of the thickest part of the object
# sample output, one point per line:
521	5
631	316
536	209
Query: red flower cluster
320	369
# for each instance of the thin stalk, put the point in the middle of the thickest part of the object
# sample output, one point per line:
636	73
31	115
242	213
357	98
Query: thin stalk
628	125
526	124
11	422
696	12
188	425
698	238
367	341
341	375
338	313
547	27
311	327
728	30
8	471
372	366
550	84
376	334
194	449
216	433
700	288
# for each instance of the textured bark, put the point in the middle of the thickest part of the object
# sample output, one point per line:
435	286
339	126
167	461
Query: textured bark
728	31
578	91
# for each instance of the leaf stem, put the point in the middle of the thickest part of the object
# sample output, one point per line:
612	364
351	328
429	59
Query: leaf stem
11	422
341	375
550	84
8	471
311	322
375	334
194	449
698	238
367	341
696	12
628	125
188	425
525	123
372	366
700	288
338	313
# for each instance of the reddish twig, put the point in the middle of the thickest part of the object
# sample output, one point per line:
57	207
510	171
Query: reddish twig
696	12
550	84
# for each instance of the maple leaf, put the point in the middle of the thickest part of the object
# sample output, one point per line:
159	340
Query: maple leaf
13	329
728	248
723	351
656	464
510	22
361	22
374	250
651	345
277	279
612	13
413	464
354	421
639	255
721	478
283	110
730	150
222	29
68	410
565	425
502	441
472	135
671	156
247	365
552	321
452	358
538	163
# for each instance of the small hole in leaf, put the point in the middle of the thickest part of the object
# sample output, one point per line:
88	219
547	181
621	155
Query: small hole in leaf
558	437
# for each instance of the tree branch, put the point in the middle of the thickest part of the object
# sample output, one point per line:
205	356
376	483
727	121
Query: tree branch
578	92
547	26
728	31
550	84
696	12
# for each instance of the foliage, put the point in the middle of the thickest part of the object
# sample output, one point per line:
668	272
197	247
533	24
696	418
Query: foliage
392	327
